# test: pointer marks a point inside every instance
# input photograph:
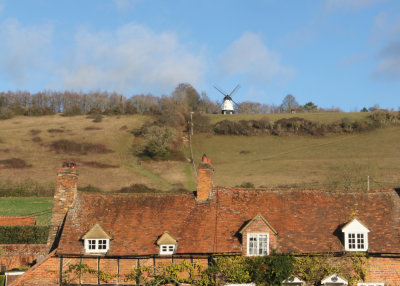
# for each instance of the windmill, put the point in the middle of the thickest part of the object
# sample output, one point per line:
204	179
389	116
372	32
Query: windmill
227	103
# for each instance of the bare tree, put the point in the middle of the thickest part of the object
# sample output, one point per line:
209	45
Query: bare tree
289	103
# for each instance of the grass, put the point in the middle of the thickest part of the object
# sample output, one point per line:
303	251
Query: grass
31	139
313	116
313	161
39	207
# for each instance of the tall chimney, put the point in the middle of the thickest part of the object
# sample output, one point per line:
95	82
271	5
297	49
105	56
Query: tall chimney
64	197
204	179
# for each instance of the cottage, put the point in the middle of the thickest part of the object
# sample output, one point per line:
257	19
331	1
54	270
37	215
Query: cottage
119	232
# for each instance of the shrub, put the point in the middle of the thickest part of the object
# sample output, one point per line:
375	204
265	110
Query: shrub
247	185
39	111
90	188
6	113
73	110
14	163
157	142
95	164
227	127
26	188
23	234
271	269
201	123
97	118
55	130
70	147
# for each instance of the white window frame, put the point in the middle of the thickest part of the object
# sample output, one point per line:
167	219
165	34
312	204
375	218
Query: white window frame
257	236
356	230
355	241
98	243
370	284
167	249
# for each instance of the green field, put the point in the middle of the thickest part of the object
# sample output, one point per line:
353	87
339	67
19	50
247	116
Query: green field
304	160
39	207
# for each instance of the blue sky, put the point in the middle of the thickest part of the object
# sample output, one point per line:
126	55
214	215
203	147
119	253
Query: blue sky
343	53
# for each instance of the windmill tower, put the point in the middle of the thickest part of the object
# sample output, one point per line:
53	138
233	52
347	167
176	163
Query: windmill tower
228	103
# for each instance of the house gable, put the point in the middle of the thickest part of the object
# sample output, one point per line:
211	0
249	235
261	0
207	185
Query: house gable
258	229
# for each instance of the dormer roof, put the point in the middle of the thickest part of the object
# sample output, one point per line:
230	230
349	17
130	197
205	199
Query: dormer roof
354	226
166	238
96	232
334	279
256	218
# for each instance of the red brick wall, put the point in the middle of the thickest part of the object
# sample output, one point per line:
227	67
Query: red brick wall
385	270
381	270
20	255
17	220
204	181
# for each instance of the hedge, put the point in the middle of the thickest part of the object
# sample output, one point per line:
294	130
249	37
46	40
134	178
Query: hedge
24	234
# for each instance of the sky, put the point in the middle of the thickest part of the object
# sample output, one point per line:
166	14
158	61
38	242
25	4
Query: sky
341	53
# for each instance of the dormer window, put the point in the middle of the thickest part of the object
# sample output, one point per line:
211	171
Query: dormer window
96	240
355	236
167	244
257	244
167	249
256	235
97	245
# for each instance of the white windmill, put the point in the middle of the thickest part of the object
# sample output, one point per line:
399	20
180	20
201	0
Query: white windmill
228	103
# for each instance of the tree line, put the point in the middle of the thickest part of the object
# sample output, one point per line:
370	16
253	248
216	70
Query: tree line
185	97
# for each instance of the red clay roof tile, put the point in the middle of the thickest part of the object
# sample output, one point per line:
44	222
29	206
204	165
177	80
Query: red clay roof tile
307	221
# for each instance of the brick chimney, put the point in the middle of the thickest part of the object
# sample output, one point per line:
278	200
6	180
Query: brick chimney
64	197
204	179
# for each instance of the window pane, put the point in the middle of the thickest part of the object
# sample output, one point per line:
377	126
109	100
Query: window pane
92	244
102	244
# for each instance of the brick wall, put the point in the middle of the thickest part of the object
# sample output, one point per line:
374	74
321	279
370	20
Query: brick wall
20	255
385	270
381	270
64	196
204	181
17	220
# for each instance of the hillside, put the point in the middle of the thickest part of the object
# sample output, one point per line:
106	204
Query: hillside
103	152
108	162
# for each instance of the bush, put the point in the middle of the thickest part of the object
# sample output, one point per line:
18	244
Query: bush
157	142
39	111
201	123
14	163
70	147
26	188
227	127
73	110
6	113
24	234
271	269
247	185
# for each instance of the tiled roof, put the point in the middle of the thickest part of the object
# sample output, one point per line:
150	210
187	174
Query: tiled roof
307	221
17	220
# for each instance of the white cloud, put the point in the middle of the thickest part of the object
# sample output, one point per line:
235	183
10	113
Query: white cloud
132	57
349	4
248	56
388	66
23	49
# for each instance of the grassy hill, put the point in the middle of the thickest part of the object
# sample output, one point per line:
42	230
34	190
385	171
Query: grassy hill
336	161
108	162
